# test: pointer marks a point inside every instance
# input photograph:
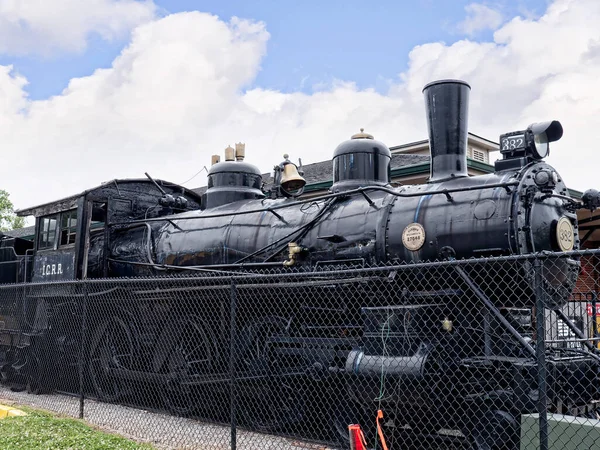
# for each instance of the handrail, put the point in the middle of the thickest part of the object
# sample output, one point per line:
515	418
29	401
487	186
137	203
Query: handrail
360	191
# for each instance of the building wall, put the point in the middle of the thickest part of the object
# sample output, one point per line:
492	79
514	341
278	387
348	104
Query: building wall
474	151
589	276
478	149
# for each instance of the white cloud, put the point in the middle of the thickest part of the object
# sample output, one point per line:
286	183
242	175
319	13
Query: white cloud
46	27
178	93
479	17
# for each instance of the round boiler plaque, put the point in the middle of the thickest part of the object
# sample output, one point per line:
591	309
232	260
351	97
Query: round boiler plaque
413	236
565	234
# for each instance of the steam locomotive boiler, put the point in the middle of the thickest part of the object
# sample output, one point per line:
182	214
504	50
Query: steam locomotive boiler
334	334
520	208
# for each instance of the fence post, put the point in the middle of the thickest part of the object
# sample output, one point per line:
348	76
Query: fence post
82	348
232	357
594	317
540	319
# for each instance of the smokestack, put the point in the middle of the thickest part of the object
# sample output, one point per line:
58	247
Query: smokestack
447	109
215	159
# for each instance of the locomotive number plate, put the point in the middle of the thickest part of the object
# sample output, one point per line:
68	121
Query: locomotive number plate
565	234
413	236
515	142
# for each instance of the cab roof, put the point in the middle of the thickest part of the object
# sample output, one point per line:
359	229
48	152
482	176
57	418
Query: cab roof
127	187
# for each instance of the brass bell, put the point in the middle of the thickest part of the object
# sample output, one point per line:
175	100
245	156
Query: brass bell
291	179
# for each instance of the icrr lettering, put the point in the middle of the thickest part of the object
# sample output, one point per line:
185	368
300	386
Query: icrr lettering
51	269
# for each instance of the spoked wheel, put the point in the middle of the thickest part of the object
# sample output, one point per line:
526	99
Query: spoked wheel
34	375
347	411
269	403
35	370
252	347
495	430
66	339
113	347
192	356
272	405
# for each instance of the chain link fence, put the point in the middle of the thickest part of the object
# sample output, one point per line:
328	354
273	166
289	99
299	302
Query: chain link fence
489	353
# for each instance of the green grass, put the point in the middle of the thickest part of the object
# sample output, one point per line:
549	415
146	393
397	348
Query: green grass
43	431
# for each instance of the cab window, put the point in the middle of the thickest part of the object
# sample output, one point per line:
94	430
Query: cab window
68	227
47	234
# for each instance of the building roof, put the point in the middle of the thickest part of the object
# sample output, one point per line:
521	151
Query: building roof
424	144
21	232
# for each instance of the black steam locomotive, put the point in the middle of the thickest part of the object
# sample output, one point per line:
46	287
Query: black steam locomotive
149	228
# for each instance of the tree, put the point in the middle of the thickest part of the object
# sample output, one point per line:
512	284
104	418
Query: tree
8	219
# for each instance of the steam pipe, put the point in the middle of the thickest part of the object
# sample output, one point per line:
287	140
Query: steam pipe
506	185
447	109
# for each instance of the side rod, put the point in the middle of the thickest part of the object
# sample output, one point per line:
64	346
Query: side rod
495	311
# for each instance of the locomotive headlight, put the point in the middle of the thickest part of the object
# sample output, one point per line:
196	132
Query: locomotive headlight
546	180
534	141
544	133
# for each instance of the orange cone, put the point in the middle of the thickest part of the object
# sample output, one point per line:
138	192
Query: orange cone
379	431
357	438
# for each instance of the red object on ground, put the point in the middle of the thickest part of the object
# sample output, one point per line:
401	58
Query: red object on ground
357	438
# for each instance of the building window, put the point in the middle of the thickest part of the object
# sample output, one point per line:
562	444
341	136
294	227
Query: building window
47	232
480	156
68	227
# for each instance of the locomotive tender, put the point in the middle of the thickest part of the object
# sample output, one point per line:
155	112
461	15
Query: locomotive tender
132	228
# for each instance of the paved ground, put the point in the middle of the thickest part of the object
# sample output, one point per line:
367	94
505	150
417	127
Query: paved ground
161	430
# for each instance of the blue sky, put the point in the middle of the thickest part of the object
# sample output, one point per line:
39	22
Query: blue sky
312	42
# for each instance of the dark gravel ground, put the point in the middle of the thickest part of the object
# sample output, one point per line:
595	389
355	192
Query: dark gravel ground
160	430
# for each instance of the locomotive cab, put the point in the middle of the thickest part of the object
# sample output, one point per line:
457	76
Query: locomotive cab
66	229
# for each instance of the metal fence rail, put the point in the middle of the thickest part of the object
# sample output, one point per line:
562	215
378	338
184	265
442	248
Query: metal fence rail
489	353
